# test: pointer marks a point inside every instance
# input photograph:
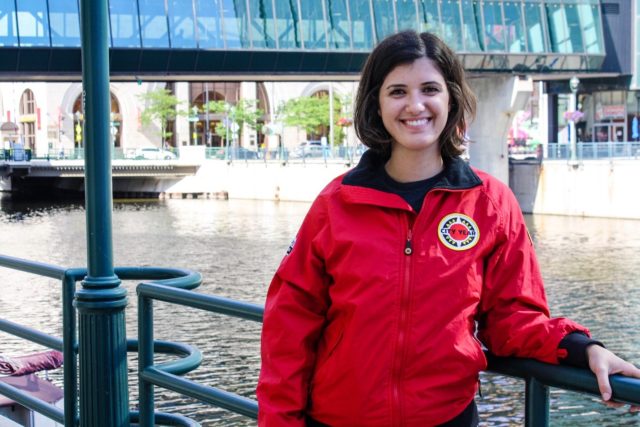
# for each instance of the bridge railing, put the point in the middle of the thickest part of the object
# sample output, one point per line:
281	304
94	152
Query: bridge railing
175	286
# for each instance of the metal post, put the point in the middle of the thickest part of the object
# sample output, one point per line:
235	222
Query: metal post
536	404
573	85
104	400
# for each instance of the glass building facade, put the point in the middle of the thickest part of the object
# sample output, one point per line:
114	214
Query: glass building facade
537	35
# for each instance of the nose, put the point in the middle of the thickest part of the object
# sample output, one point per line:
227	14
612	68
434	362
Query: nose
415	104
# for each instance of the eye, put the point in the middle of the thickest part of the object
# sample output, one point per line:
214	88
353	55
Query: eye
431	90
396	92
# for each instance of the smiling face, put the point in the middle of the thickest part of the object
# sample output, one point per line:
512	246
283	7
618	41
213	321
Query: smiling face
414	106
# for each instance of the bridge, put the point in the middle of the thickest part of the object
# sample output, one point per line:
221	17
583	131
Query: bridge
295	39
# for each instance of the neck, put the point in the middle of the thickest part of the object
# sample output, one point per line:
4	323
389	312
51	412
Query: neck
410	167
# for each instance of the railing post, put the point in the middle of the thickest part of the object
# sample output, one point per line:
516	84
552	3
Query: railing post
536	404
145	360
103	396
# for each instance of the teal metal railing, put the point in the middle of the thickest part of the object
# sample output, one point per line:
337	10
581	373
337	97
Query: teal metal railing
68	344
175	286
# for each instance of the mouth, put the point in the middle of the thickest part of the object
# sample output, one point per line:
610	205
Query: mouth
417	122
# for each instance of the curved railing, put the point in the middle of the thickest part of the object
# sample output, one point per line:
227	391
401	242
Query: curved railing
174	286
190	357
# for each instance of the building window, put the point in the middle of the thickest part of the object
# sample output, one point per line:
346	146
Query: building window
28	118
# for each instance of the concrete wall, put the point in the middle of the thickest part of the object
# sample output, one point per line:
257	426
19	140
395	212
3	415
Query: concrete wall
294	182
598	188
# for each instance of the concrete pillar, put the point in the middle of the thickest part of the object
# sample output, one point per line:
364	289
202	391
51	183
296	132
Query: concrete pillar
499	98
182	124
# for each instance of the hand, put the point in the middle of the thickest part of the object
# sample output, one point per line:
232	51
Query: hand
603	363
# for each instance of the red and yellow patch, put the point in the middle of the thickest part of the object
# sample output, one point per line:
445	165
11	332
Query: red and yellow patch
458	232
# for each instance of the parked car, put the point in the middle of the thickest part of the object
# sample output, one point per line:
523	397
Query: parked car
308	149
237	153
154	153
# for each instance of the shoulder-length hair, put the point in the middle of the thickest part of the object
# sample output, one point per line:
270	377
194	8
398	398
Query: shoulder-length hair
401	49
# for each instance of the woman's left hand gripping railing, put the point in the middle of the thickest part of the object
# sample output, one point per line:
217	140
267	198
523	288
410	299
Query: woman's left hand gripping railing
166	375
68	344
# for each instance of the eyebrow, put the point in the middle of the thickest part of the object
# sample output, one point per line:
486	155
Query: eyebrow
401	85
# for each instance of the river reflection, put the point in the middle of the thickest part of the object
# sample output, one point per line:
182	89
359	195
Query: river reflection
589	265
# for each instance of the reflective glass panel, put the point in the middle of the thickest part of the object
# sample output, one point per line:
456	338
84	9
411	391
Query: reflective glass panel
65	23
153	23
536	39
338	25
562	40
125	28
287	24
181	24
361	25
383	18
470	26
493	31
33	22
407	15
573	23
514	32
591	25
452	34
429	16
262	27
8	24
234	13
314	31
208	29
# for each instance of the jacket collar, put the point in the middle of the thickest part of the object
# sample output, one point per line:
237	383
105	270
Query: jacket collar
358	185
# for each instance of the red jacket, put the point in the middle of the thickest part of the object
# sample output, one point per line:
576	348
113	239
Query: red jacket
371	317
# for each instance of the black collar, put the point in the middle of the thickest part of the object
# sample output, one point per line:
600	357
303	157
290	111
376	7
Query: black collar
457	174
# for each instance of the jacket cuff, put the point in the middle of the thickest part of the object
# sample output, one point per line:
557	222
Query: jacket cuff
572	350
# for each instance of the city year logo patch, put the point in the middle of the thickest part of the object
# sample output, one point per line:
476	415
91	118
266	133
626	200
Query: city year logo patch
458	232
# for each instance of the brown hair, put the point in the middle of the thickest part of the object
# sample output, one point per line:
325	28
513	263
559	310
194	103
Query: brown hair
400	49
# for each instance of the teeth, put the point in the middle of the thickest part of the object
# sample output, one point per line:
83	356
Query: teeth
418	122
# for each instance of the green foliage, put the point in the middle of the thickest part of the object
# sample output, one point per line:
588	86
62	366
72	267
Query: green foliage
245	112
160	107
311	113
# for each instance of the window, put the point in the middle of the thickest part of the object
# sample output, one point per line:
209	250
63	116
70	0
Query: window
153	22
470	26
429	16
338	25
536	39
314	32
361	25
514	32
494	30
384	18
33	23
452	26
208	24
8	24
181	24
234	16
28	118
125	28
287	24
407	14
262	26
65	23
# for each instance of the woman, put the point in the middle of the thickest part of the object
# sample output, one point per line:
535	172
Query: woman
372	317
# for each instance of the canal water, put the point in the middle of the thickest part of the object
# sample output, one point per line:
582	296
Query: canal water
590	266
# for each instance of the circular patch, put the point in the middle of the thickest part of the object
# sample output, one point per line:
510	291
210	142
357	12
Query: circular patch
458	232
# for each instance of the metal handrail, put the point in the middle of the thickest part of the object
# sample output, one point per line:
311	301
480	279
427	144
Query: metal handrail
174	286
538	376
191	356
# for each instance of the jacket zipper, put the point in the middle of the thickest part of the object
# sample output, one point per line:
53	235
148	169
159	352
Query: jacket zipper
403	325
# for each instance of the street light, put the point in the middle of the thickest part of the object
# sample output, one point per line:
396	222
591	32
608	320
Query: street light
574	83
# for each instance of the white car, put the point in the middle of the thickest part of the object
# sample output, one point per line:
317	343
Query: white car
154	153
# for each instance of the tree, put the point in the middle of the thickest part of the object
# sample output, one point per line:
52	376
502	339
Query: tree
311	113
161	106
244	112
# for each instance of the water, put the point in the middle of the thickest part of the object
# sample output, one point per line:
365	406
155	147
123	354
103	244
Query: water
589	266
